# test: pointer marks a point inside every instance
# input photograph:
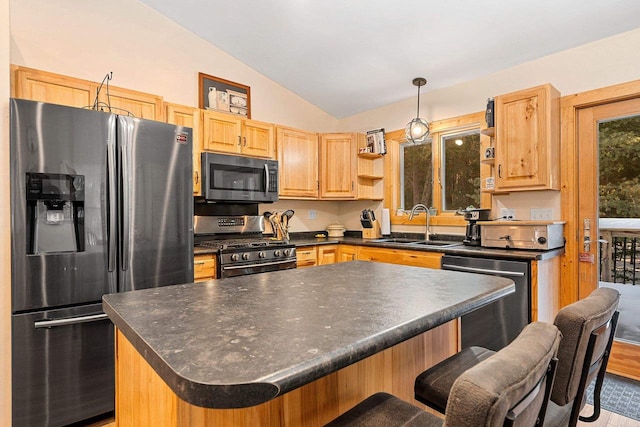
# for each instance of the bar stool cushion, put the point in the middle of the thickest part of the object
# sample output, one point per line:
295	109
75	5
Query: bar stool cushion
484	394
576	322
432	387
382	409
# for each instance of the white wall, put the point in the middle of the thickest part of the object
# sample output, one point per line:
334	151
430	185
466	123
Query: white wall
602	63
146	51
5	223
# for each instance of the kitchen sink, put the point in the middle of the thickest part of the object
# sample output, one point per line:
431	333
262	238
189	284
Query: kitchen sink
394	240
437	243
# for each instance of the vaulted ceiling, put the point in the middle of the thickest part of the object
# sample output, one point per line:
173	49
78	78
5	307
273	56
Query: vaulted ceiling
349	56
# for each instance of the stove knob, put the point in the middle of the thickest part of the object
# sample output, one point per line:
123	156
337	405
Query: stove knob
235	257
287	252
245	256
277	252
261	254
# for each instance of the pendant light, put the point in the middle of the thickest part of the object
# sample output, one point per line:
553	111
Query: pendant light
417	130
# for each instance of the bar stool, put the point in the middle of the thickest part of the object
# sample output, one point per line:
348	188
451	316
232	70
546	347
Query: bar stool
511	387
587	326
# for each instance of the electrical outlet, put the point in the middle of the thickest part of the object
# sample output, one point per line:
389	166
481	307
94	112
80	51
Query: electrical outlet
312	214
507	213
541	214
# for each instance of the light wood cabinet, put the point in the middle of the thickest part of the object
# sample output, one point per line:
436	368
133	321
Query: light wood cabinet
204	267
307	256
528	140
64	90
53	88
227	133
327	254
338	165
183	115
347	253
400	256
298	163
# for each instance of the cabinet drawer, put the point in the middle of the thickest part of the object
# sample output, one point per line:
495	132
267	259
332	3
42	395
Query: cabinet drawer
204	267
306	257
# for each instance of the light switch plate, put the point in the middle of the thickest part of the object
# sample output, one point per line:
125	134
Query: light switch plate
312	214
541	214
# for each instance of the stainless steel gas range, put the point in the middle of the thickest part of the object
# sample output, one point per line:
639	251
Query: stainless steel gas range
242	247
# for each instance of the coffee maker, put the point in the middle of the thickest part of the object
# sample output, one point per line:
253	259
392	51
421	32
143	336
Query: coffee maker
472	235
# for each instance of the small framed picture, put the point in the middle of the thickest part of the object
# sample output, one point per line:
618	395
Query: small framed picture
224	95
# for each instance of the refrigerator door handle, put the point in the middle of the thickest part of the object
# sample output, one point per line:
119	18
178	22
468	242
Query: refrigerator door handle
113	214
68	321
266	178
126	179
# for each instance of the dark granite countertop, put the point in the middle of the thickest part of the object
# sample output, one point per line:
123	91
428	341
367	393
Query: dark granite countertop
242	341
462	250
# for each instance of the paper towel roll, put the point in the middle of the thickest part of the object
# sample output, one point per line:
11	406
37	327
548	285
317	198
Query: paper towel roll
385	223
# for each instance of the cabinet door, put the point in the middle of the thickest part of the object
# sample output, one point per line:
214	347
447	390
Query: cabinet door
306	256
221	132
528	137
298	163
52	88
327	254
338	165
257	139
204	267
131	102
347	253
182	115
399	256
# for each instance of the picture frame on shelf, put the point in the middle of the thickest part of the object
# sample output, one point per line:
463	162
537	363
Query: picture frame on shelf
217	94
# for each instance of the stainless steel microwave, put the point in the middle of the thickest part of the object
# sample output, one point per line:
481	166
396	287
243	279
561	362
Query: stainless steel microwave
238	179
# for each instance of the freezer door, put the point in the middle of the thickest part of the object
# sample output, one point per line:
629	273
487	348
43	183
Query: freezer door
60	141
157	204
63	366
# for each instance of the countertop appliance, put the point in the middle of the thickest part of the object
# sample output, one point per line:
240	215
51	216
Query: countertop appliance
242	248
537	235
237	179
100	203
472	236
495	325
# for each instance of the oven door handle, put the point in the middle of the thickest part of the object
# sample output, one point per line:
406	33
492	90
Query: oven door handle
262	264
482	270
266	179
68	321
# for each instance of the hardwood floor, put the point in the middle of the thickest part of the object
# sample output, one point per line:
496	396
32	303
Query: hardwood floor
608	419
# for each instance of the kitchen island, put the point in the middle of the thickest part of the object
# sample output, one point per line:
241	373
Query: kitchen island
293	347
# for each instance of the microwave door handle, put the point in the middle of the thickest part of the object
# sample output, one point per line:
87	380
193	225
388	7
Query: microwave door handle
266	179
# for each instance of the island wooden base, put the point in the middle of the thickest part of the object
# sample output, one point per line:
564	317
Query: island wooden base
144	399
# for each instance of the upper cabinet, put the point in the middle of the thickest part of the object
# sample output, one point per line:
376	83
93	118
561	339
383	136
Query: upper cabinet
338	165
57	89
298	163
527	142
227	133
183	115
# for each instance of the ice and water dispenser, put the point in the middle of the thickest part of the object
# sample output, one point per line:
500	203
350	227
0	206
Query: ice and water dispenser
55	213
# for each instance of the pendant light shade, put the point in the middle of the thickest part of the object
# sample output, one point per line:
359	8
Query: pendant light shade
417	130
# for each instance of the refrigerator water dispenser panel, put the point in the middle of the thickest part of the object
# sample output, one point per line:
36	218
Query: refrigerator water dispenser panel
55	213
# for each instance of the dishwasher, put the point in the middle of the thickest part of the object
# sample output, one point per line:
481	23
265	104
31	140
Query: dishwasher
497	324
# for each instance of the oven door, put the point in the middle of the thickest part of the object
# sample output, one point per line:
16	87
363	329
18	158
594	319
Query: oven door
239	179
255	267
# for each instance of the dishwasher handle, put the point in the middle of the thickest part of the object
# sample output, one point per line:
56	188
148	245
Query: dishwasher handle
69	321
482	270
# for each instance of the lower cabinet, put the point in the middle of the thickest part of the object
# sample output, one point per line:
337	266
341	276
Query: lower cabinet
307	256
327	254
400	256
204	267
347	253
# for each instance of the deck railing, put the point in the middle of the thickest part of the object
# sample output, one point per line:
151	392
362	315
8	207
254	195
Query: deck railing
619	254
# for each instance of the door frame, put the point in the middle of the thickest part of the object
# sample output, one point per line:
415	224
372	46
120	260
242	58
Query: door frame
624	358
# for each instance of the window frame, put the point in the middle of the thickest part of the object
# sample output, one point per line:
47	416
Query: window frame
393	185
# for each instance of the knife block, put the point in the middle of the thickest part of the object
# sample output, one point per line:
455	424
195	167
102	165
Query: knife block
373	232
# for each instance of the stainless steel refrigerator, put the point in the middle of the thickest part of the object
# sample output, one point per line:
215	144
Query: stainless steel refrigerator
100	203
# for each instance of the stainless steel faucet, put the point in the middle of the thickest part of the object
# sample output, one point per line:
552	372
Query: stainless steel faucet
414	209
